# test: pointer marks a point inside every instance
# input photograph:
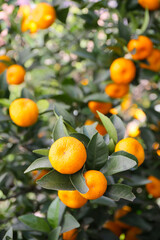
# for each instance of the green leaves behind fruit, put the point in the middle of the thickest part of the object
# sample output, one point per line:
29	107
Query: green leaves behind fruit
43	151
97	152
119	125
56	181
79	182
109	127
39	164
59	130
104	201
118	191
60	110
119	162
34	222
69	223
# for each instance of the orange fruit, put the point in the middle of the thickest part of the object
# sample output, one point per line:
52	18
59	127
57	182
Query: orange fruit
151	5
84	82
97	184
72	199
114	90
3	66
126	102
39	174
70	235
133	129
132	233
29	24
153	188
24	11
99	106
23	112
113	227
15	74
122	71
133	147
67	155
43	15
153	61
139	114
143	47
100	128
121	213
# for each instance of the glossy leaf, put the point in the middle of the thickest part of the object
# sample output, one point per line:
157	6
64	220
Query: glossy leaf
69	223
42	151
53	213
81	137
59	130
40	163
56	181
105	201
119	125
97	152
34	222
54	234
118	191
118	162
79	182
109	127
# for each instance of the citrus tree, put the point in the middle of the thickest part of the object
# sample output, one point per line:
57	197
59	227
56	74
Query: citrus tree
79	119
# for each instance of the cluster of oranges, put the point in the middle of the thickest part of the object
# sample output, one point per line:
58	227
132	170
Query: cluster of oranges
23	111
144	50
40	17
15	73
67	156
118	227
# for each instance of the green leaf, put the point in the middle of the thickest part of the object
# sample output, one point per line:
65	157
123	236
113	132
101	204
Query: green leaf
42	151
43	105
61	111
111	146
84	54
8	235
97	152
69	223
79	182
119	125
36	223
59	130
5	102
104	201
90	130
54	234
56	181
109	127
124	31
118	162
81	137
62	14
4	91
118	191
53	213
74	92
100	97
137	180
40	163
